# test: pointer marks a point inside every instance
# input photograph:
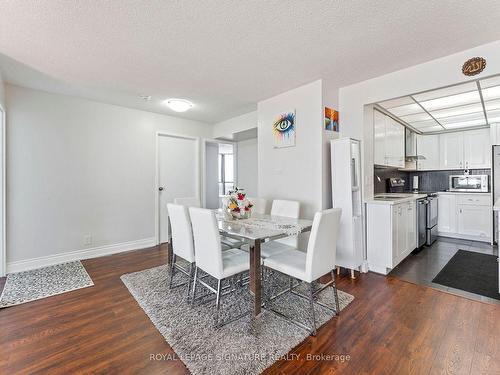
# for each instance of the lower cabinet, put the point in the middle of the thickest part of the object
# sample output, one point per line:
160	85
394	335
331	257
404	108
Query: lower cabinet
466	216
391	234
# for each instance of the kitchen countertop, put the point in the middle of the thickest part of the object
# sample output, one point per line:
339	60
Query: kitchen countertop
395	198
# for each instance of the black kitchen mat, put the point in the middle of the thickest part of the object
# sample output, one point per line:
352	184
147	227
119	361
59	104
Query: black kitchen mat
473	272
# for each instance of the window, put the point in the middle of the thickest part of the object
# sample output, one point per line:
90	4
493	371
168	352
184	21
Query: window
226	168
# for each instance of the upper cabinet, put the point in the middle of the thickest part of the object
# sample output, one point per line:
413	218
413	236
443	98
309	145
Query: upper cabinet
428	147
465	150
451	150
389	141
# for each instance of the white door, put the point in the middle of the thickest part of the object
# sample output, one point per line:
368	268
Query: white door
452	150
477	149
178	175
428	146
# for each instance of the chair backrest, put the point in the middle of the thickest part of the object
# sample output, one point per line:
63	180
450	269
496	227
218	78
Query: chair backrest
322	247
182	234
259	205
287	209
207	245
188	201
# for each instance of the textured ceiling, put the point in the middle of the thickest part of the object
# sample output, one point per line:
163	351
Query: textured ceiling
226	55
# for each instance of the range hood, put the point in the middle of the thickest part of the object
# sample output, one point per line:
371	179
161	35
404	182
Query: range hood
411	153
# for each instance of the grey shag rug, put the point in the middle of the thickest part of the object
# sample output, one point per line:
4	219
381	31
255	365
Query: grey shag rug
245	346
26	286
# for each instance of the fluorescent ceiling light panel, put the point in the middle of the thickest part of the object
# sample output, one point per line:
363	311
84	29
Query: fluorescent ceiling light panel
406	110
457	111
424	124
416	117
435	128
491	93
452	101
447	91
492	105
465	124
489	82
463	118
396	102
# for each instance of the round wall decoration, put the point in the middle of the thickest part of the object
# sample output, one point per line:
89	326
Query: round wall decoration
473	66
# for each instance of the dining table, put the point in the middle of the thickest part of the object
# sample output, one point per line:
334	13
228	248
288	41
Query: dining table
254	231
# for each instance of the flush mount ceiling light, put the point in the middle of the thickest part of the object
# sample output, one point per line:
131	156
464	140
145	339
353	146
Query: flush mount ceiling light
179	105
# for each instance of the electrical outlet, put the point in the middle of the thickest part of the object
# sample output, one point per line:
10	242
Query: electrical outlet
87	239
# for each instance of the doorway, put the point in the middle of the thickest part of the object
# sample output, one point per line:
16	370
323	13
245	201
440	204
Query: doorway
178	175
3	248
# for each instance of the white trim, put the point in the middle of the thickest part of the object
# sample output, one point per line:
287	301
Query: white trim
94	252
157	173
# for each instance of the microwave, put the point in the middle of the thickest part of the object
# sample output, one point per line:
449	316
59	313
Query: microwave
470	183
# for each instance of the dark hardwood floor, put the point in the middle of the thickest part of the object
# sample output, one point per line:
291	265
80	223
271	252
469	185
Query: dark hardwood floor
392	327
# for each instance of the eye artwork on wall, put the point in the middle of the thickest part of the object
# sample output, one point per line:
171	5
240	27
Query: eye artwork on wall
331	120
284	130
473	66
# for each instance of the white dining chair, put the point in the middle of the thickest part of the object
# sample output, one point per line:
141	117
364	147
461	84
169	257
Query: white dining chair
182	243
211	259
284	208
309	266
259	205
188	201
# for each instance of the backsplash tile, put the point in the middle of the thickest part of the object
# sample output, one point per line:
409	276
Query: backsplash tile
429	180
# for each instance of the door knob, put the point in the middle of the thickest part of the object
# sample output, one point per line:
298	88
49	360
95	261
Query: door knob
160	188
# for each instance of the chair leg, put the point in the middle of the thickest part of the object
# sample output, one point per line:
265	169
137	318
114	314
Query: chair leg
311	303
172	270
217	304
334	286
189	281
195	281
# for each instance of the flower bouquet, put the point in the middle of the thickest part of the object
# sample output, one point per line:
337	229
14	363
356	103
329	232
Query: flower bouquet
238	205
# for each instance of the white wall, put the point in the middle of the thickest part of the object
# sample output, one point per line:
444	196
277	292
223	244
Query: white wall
227	128
247	166
79	167
211	175
293	172
357	121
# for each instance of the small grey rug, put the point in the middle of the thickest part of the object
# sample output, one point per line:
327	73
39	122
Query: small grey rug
246	346
26	286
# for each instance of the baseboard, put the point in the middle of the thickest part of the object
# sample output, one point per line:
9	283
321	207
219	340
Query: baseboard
464	237
94	252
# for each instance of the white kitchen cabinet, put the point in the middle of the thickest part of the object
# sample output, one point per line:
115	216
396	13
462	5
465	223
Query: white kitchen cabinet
465	150
428	146
465	215
477	149
447	213
379	138
451	150
391	234
474	221
389	141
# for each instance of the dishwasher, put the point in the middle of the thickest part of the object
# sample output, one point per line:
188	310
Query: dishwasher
422	222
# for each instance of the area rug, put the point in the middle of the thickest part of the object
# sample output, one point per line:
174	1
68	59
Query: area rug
471	271
245	346
26	286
